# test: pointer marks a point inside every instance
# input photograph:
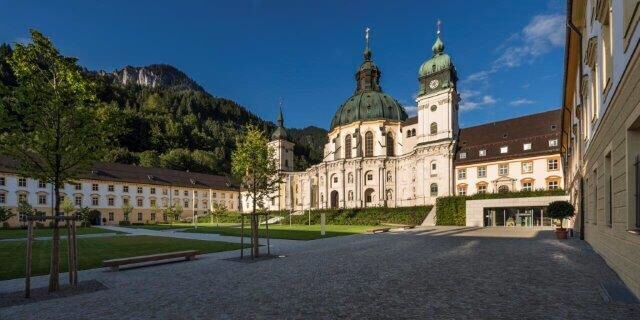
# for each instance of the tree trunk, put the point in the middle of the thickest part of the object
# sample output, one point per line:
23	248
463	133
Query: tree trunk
27	285
54	283
255	251
70	252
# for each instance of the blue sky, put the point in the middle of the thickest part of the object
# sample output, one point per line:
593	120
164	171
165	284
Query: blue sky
509	54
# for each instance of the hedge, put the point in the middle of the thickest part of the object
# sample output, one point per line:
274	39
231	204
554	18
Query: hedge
355	216
451	211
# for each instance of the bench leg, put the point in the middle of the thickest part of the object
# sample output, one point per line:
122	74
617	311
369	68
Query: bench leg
115	268
191	258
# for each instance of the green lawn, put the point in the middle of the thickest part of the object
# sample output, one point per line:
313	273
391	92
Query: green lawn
92	251
294	232
47	232
178	225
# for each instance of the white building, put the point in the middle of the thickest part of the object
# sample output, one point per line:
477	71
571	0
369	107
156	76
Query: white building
109	186
377	156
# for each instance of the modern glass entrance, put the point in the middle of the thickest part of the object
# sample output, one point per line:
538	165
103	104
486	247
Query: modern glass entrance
516	217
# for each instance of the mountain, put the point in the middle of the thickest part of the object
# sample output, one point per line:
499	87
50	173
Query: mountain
166	119
155	75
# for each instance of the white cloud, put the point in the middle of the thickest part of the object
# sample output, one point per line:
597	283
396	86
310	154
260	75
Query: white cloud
522	101
539	36
412	111
471	100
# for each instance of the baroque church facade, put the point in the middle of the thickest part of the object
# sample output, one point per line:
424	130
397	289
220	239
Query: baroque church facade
378	156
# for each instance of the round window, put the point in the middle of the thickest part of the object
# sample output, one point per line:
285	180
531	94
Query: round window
434	107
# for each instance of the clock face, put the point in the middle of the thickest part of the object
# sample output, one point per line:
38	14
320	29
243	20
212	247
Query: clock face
433	84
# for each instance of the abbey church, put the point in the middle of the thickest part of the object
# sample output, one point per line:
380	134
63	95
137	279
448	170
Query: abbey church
378	156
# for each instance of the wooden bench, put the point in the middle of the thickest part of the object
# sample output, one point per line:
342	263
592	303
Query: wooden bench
115	264
376	230
409	226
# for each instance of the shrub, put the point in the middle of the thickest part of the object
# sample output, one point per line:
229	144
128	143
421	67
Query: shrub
137	224
124	223
5	225
39	225
361	216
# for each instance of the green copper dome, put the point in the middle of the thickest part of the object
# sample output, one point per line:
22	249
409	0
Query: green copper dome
368	102
368	105
438	62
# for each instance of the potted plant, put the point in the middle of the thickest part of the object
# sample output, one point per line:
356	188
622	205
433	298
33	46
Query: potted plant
561	210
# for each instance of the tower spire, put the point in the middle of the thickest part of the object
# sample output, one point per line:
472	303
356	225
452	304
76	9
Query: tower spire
438	23
438	46
280	117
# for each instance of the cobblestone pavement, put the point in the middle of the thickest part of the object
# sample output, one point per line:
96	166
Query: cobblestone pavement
439	273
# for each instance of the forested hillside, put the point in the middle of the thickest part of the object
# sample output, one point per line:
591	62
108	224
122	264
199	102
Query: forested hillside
168	120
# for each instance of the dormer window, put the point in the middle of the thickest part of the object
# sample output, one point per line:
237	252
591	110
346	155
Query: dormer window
526	146
504	149
463	155
553	143
482	152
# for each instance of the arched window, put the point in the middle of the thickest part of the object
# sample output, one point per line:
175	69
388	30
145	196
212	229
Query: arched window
368	144
368	176
434	168
350	195
434	128
413	132
503	189
347	147
350	177
434	189
390	144
408	133
389	176
389	194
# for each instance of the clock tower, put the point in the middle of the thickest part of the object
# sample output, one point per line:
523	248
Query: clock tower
437	96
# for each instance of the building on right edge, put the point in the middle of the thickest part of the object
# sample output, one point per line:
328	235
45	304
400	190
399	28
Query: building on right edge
600	139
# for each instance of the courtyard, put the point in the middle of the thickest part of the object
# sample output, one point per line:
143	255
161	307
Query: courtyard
428	272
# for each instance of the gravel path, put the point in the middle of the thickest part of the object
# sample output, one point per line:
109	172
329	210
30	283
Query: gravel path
423	273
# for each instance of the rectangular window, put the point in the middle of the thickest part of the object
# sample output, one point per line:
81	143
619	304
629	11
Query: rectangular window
482	153
462	191
552	185
111	188
125	189
527	167
526	146
22	198
482	172
195	193
111	201
95	201
139	190
186	203
78	186
176	192
153	216
552	164
78	201
152	190
526	186
42	199
22	182
164	192
95	187
139	216
553	143
3	181
482	188
504	149
125	201
608	192
42	184
3	198
463	155
223	195
152	202
503	169
126	217
110	216
186	193
462	174
139	202
214	194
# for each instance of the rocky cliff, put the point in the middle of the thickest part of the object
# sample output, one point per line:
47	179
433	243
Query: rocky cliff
155	75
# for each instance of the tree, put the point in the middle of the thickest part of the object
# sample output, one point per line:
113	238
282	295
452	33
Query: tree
126	211
5	215
218	210
560	210
173	212
67	207
253	164
53	128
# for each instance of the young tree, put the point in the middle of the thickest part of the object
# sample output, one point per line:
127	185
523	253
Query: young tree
67	207
253	164
54	128
5	215
218	210
126	211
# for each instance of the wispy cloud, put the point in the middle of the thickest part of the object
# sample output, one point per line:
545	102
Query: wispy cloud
522	101
412	111
539	36
472	100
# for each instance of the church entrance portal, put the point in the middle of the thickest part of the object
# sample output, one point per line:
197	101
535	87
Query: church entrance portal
334	199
